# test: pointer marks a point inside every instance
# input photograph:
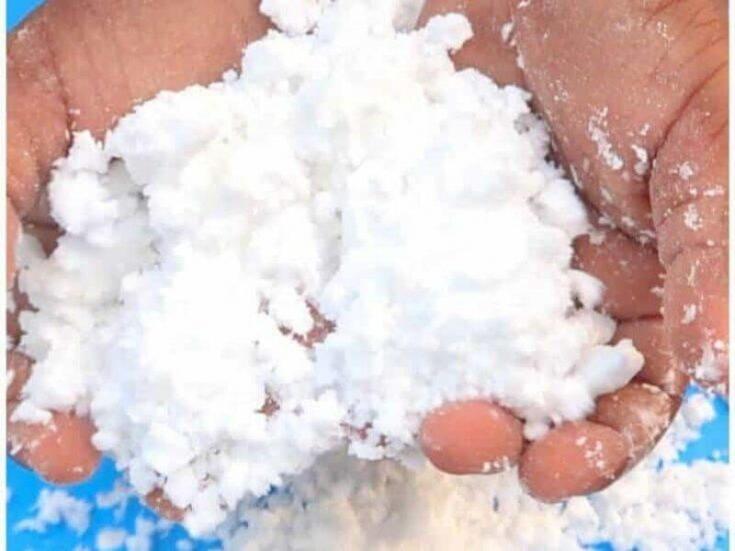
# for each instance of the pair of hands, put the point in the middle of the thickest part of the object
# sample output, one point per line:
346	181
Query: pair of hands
635	93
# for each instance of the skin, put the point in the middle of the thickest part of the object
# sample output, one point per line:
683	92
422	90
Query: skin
637	75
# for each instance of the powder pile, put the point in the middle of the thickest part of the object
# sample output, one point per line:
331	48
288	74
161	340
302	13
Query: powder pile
661	505
350	174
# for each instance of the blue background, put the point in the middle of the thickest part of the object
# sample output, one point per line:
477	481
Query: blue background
25	486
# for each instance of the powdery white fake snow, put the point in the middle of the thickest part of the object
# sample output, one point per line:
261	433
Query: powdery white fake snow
350	174
56	507
659	505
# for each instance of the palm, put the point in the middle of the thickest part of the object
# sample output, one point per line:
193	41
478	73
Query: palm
619	84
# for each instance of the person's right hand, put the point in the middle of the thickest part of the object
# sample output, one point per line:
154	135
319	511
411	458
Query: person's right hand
78	65
81	65
635	94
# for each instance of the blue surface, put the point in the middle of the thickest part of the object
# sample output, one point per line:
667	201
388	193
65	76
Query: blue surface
25	486
18	9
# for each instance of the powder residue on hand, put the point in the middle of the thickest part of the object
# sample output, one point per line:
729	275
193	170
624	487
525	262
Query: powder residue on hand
350	174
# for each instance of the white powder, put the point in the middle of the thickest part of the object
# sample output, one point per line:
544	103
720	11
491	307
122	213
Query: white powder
184	545
597	129
660	505
142	538
684	170
350	172
56	507
642	165
110	538
506	30
344	503
692	219
358	505
294	17
690	314
708	368
116	499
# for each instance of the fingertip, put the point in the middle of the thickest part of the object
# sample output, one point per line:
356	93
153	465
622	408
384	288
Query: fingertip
60	451
631	272
471	437
576	458
638	411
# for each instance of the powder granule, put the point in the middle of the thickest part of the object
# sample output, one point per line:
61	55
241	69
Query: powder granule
352	172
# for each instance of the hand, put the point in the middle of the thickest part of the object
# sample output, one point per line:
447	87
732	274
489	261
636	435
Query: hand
76	66
82	64
635	94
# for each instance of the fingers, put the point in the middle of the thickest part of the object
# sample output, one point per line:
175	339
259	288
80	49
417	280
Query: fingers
573	459
633	278
660	368
610	119
624	427
489	50
632	274
689	192
608	138
696	315
640	412
60	451
671	62
471	437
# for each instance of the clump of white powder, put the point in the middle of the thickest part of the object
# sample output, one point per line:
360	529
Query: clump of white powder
350	174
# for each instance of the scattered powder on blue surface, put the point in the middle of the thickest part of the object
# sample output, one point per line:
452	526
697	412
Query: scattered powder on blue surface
56	507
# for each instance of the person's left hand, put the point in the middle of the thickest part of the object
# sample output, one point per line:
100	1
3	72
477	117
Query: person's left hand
635	96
